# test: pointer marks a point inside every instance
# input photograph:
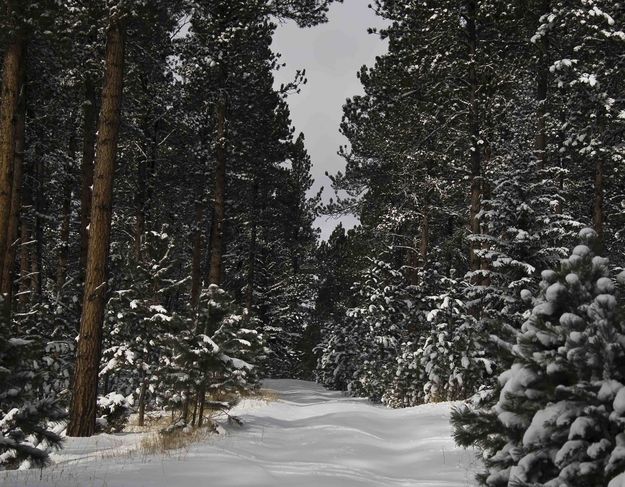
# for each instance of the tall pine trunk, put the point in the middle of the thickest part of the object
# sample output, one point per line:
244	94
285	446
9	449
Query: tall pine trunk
12	72
90	120
219	198
8	269
66	216
85	389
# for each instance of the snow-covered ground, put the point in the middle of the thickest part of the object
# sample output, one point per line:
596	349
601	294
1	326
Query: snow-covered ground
309	438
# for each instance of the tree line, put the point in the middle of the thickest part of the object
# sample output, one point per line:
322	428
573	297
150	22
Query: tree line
488	142
154	202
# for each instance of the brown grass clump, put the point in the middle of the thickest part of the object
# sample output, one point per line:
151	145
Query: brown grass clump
267	395
162	443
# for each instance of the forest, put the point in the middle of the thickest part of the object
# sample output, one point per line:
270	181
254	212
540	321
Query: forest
159	249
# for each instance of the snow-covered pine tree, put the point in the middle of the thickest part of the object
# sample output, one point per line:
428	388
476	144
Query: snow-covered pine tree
586	40
214	353
558	412
360	352
524	230
136	318
27	408
446	354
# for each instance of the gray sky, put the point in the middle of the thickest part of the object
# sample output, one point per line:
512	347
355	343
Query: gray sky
332	54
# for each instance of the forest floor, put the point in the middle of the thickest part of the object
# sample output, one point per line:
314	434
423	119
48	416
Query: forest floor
309	437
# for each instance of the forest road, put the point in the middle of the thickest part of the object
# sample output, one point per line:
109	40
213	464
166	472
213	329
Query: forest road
309	437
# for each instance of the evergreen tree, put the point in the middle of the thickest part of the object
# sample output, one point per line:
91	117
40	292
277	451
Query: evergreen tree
554	418
27	408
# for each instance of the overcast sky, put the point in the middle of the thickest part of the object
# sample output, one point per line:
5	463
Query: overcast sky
332	54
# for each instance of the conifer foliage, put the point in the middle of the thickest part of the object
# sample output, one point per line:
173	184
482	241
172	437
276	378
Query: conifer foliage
555	417
154	201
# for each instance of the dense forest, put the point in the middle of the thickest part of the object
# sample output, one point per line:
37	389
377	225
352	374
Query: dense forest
158	248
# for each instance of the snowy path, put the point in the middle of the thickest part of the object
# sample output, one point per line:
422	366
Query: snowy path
309	438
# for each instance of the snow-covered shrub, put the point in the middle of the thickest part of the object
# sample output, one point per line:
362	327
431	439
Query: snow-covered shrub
27	406
447	359
114	409
558	414
214	353
360	353
523	230
452	356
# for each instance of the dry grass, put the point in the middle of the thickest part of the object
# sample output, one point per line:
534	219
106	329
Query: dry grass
155	441
267	395
163	443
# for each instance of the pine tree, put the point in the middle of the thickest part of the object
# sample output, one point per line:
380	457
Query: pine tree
556	413
26	407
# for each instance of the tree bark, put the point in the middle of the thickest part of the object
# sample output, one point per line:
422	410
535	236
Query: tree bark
85	389
8	269
196	263
219	198
12	72
90	119
200	419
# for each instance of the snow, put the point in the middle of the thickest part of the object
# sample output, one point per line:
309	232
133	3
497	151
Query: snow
308	438
605	285
619	402
618	481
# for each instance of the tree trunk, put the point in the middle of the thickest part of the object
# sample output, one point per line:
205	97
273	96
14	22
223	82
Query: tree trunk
12	72
251	263
142	394
36	255
196	400
219	199
598	213
185	407
66	216
25	237
475	165
196	263
140	202
202	402
85	389
8	269
542	85
541	122
90	119
251	267
66	213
